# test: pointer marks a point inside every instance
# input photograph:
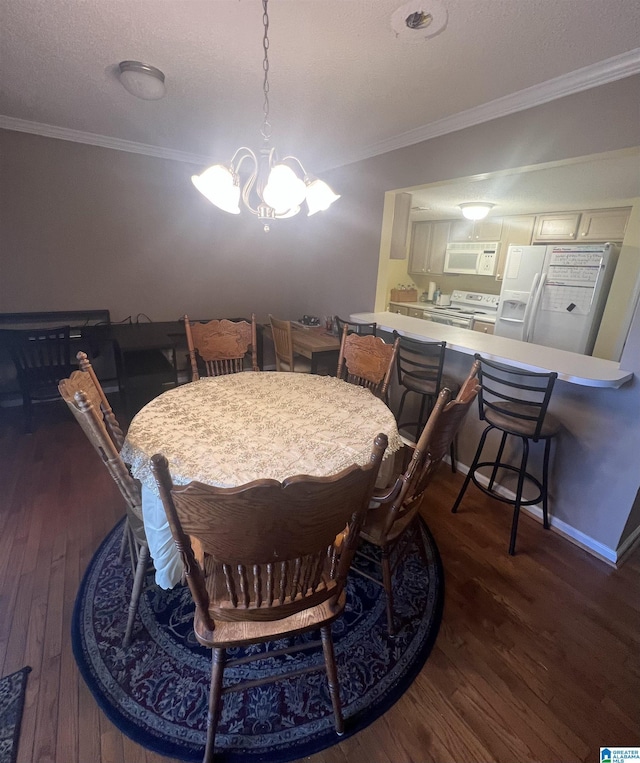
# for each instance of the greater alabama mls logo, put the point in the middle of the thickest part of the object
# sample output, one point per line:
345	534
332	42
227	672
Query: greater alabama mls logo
605	755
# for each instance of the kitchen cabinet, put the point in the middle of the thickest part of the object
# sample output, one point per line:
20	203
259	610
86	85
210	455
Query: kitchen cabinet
400	226
416	312
604	225
557	227
399	309
478	230
517	230
483	327
428	247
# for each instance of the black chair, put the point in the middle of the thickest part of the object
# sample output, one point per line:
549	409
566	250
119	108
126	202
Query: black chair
515	403
42	357
363	329
420	368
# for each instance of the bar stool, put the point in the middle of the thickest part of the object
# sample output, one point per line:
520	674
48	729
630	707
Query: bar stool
524	416
363	329
420	368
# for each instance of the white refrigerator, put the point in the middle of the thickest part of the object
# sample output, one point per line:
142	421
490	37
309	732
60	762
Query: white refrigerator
555	295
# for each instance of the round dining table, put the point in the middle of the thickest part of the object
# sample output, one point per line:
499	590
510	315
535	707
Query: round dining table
230	430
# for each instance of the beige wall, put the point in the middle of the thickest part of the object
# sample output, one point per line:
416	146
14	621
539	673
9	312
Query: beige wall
88	227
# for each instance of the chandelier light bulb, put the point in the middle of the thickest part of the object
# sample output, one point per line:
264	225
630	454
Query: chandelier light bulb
284	189
319	196
218	184
476	210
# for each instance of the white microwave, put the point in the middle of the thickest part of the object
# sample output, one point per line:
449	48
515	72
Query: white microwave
473	258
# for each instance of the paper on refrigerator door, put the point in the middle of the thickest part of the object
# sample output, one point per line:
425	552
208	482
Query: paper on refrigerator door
560	298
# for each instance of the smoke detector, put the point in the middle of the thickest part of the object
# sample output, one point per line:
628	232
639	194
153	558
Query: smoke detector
418	21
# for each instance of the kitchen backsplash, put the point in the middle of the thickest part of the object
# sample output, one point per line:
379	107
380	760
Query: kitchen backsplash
447	283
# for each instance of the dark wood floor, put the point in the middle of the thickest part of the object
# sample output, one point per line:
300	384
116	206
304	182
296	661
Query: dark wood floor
537	658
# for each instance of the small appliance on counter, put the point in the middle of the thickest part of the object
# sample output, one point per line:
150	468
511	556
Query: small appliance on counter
443	300
404	294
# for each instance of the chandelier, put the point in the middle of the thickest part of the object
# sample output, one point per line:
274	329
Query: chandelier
270	188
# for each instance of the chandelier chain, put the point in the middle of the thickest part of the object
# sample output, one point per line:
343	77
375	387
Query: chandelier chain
266	125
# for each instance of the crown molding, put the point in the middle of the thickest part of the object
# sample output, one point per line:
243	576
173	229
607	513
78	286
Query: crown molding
103	141
612	69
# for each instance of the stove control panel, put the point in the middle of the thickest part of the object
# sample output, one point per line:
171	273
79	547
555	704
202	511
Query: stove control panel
475	300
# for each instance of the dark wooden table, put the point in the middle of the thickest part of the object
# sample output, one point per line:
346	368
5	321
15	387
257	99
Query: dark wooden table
316	344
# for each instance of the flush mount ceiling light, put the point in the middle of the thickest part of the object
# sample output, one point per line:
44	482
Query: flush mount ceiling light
142	80
272	189
419	20
476	210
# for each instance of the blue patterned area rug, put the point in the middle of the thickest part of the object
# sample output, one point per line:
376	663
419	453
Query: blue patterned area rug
156	691
12	689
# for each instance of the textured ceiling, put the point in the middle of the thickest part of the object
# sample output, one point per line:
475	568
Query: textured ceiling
342	81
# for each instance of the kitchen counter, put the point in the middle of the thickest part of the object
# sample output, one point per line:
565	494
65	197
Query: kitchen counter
571	367
419	305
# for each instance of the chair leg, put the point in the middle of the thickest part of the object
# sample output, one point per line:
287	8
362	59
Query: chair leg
332	677
123	542
471	471
27	412
545	484
138	582
452	456
387	582
516	508
420	542
401	407
421	416
215	695
498	460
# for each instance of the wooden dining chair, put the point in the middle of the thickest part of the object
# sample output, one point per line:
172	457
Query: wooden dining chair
366	361
286	359
85	400
219	347
271	563
392	523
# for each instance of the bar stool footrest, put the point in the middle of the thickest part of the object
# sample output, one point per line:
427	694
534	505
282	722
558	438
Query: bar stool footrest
502	498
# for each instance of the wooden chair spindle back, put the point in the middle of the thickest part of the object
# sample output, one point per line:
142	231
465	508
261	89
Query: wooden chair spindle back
431	448
294	551
282	343
83	407
366	361
221	345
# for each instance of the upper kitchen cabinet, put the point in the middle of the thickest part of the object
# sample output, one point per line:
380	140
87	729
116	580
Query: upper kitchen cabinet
428	247
517	230
479	230
604	225
559	226
400	226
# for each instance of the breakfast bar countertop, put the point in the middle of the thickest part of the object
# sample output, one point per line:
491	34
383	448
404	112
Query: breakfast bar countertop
572	367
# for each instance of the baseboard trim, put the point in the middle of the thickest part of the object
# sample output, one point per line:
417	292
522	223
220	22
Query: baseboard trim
628	545
606	554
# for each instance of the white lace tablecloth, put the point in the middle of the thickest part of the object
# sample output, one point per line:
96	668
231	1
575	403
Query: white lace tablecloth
230	430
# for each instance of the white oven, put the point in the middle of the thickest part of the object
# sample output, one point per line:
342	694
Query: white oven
460	321
465	307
